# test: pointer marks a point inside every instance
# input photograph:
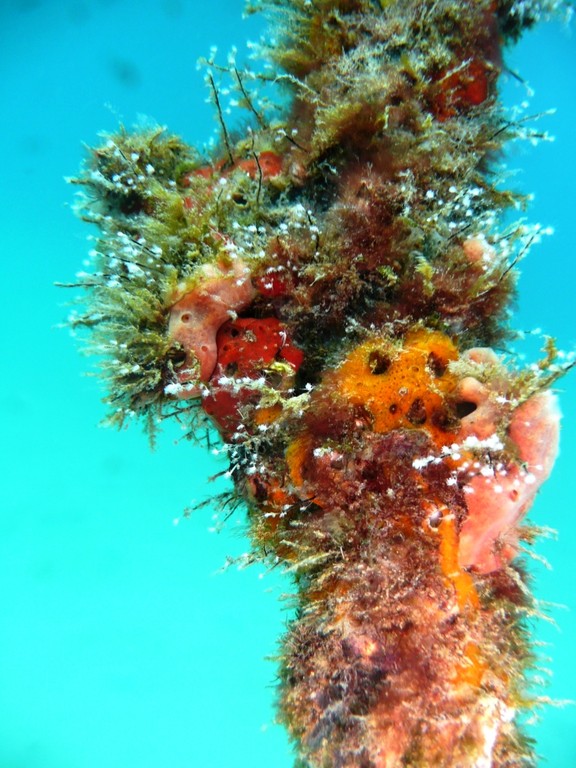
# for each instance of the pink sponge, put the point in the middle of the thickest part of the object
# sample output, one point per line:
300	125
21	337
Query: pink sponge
214	295
498	499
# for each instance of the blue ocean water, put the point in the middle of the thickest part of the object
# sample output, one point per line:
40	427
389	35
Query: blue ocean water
121	643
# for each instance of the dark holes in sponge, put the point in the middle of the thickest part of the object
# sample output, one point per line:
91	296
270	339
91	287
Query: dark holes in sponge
436	365
378	362
417	412
177	357
465	408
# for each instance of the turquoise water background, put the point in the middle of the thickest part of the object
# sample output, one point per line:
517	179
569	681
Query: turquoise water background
122	645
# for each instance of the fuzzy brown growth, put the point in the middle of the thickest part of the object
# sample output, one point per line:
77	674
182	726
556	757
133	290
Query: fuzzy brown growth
386	455
387	665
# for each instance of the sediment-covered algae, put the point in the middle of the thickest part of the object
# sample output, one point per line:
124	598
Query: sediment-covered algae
328	291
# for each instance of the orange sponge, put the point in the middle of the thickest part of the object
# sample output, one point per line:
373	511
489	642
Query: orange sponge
401	386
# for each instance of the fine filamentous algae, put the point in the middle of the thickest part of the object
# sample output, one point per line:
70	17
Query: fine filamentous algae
328	290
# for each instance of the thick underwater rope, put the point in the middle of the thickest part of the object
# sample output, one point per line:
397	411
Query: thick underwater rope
328	291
